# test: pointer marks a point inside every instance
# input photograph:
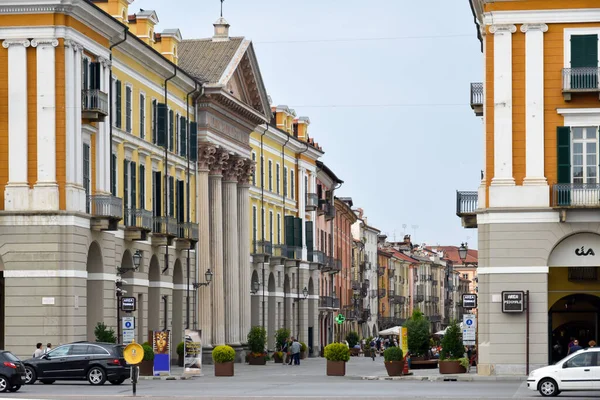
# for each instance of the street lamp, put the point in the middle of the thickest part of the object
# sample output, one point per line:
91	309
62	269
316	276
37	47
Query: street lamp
208	275
304	293
462	251
137	259
255	287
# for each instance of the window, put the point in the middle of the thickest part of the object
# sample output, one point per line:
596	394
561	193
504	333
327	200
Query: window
118	105
254	227
178	126
126	184
285	180
584	61
113	173
154	120
142	116
270	176
293	189
96	350
581	360
142	194
128	100
277	178
171	129
271	226
584	155
133	186
254	173
278	228
60	351
171	196
183	123
86	175
78	350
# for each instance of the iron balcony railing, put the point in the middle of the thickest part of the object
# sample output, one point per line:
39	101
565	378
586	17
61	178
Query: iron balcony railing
188	230
576	195
164	225
365	265
280	250
476	94
106	205
366	314
312	201
364	291
448	302
373	293
326	302
581	79
435	318
316	256
381	293
329	211
336	302
137	218
466	203
419	298
335	265
294	252
263	247
94	100
391	293
435	299
381	271
401	299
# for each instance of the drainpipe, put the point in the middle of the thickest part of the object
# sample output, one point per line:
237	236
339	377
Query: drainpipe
187	177
284	193
262	218
110	123
303	215
166	187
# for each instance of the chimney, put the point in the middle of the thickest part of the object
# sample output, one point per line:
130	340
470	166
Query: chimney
221	30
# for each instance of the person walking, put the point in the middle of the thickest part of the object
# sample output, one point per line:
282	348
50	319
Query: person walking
48	348
592	343
38	351
575	347
296	351
373	349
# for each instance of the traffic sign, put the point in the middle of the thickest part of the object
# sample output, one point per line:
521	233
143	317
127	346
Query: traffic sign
128	335
469	300
128	323
340	319
469	331
128	304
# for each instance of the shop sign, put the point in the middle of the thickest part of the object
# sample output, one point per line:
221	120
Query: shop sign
513	302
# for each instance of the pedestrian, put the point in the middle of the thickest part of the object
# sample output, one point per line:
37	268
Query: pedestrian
290	357
575	347
48	348
38	351
296	351
592	343
372	346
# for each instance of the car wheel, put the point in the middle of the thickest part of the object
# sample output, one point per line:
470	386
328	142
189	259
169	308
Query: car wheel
548	388
14	388
117	381
30	376
3	384
47	381
96	376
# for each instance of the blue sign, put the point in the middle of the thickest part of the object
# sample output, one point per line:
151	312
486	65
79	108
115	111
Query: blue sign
469	322
128	325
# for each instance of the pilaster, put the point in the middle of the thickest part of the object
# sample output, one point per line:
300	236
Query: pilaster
243	209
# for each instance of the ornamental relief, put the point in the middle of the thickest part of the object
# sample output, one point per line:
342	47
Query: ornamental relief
224	128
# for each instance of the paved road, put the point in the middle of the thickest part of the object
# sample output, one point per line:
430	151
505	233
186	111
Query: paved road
291	382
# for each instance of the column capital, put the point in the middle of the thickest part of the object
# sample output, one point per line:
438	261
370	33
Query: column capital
534	27
206	156
219	161
44	42
16	42
503	28
246	170
232	168
73	44
104	61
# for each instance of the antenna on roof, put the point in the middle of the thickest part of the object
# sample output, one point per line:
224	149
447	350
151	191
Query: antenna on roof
415	227
222	7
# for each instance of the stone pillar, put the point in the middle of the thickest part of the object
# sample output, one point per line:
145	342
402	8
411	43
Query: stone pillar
70	116
45	191
78	139
231	251
206	155
245	274
216	245
16	193
103	155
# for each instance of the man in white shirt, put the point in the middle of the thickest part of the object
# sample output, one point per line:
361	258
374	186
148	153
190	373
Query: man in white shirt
38	351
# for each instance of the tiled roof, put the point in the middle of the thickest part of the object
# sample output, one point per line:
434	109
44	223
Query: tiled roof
205	59
451	253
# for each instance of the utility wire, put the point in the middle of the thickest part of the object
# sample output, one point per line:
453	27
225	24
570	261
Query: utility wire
363	39
379	105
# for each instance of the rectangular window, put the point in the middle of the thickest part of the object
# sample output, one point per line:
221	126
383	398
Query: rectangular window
142	116
293	186
180	201
171	129
278	228
126	185
285	180
142	194
254	173
270	176
113	173
119	104
133	168
157	193
128	108
183	127
171	196
271	226
254	227
277	178
86	175
154	120
584	160
584	61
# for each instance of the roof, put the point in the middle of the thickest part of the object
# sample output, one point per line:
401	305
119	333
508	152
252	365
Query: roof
206	59
403	256
451	253
329	172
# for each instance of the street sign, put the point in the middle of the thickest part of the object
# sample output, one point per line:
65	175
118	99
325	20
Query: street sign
469	300
128	304
469	331
128	323
340	319
128	335
513	302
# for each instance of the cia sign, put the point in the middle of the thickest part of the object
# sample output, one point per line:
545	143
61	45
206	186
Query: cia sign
513	302
469	300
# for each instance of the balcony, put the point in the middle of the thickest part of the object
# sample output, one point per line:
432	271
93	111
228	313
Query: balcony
94	104
280	251
188	233
365	265
316	256
448	302
356	285
262	248
336	302
576	195
312	201
364	315
137	224
326	302
381	271
294	253
419	298
381	293
329	211
580	80
401	300
391	293
164	229
477	98
106	211
435	318
335	265
373	294
466	205
364	291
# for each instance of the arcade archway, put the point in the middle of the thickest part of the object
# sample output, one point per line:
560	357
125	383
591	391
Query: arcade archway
95	290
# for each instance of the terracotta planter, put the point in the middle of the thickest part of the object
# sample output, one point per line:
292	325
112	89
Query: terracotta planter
336	368
302	355
277	359
224	369
147	368
257	360
180	360
451	367
394	368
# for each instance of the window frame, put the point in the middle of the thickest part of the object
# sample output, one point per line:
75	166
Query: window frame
584	141
142	120
129	111
568	32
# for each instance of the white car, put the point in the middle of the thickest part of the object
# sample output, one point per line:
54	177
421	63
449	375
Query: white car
577	371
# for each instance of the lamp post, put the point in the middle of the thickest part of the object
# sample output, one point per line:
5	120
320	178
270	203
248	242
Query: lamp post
119	291
298	299
208	275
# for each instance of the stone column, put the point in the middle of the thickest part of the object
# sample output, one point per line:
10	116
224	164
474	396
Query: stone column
206	155
216	245
45	191
103	155
231	251
16	193
245	273
78	142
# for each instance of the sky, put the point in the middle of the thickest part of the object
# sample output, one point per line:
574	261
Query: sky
386	87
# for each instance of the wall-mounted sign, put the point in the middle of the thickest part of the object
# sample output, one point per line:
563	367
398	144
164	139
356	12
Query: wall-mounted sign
582	251
469	300
128	304
513	302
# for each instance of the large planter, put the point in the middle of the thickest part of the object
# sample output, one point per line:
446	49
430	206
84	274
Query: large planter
302	355
224	369
147	368
262	360
180	360
394	368
277	358
451	367
336	368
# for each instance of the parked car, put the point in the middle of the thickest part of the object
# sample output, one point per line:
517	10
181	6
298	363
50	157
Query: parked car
96	362
12	372
576	372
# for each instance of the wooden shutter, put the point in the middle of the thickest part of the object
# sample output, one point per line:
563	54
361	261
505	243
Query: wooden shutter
142	204
154	120
133	185
142	116
113	174
119	110
85	84
125	184
254	229
584	51
171	129
183	126
309	239
171	196
161	124
289	230
180	201
157	195
298	232
193	141
95	73
128	99
563	140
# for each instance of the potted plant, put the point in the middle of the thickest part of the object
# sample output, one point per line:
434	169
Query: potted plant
394	361
303	349
453	351
147	364
180	351
417	328
223	357
337	354
104	334
257	338
281	336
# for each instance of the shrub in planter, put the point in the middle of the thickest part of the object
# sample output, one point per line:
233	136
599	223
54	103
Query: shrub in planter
394	361
257	339
417	328
352	339
337	354
223	357
303	349
452	351
104	334
278	357
281	336
180	353
147	364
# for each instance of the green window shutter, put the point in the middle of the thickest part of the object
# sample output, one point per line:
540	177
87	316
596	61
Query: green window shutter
95	73
125	184
142	116
298	232
119	111
180	201
171	129
309	238
161	124
128	99
254	229
85	84
183	150
158	193
193	141
142	187
113	173
289	230
563	140
584	51
133	185
171	196
154	121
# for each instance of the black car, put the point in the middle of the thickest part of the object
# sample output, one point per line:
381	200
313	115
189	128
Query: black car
96	362
12	372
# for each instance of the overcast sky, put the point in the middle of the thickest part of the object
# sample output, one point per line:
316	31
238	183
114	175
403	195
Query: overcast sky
392	114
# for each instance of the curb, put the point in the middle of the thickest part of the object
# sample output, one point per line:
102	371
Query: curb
165	378
451	378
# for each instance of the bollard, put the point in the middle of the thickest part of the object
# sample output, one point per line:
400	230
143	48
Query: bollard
405	369
135	373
